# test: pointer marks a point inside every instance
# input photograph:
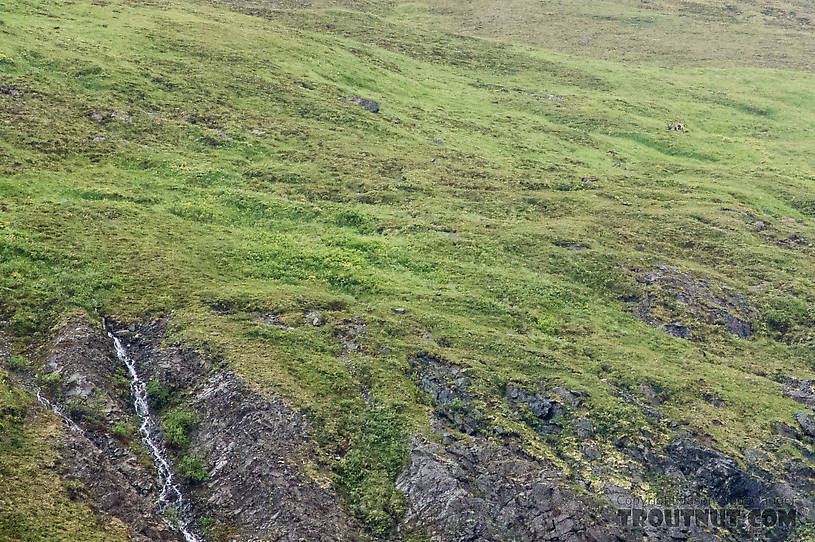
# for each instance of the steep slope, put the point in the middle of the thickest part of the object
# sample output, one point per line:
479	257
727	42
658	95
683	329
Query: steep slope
509	282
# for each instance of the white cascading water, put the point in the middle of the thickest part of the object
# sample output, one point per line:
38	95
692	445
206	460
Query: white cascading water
53	407
171	499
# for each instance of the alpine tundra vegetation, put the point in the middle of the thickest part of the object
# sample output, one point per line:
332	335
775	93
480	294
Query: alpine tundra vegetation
442	270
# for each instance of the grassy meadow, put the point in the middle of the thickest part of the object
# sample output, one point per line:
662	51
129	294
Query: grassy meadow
192	158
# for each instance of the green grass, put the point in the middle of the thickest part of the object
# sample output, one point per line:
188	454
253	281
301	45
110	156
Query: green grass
35	503
461	202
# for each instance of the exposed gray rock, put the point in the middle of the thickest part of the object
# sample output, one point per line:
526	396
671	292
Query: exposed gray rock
315	318
368	105
114	489
115	482
584	428
677	330
688	307
785	430
479	491
802	391
350	334
254	446
590	452
807	423
543	412
447	385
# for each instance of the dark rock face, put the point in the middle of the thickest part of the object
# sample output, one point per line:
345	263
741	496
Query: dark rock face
543	412
255	446
255	484
473	489
685	307
802	391
115	488
807	423
712	470
479	491
368	105
468	487
447	387
114	481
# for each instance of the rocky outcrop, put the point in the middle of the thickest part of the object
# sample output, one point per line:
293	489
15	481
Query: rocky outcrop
369	105
463	485
468	488
255	447
688	307
116	486
475	490
802	391
446	385
468	480
93	391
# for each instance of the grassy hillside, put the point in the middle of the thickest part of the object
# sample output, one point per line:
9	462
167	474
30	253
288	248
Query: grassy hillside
776	34
193	158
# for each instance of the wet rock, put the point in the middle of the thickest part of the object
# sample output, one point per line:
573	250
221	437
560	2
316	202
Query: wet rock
114	490
113	480
254	446
172	365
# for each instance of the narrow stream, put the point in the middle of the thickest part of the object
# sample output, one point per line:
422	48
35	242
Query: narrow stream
53	407
172	500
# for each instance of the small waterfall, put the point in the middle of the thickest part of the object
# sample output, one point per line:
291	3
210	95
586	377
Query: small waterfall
53	407
171	499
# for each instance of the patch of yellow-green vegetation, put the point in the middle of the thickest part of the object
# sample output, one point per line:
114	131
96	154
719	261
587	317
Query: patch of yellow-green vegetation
35	503
771	33
493	213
